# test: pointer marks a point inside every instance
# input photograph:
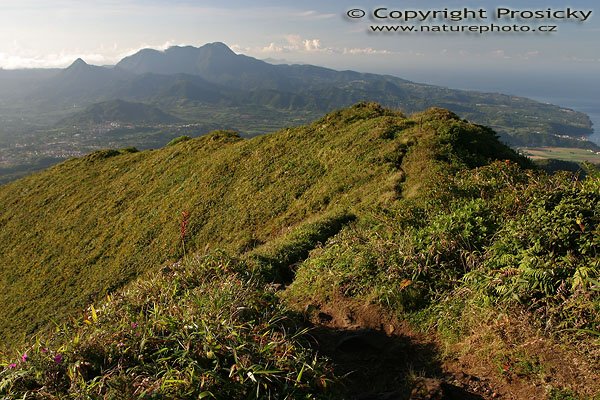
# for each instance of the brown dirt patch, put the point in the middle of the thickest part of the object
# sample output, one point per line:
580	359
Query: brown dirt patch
381	357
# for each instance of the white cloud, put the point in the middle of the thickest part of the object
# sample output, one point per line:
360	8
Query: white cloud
296	44
367	50
585	60
56	60
312	45
292	44
240	49
530	55
162	47
272	48
312	14
500	54
294	40
17	56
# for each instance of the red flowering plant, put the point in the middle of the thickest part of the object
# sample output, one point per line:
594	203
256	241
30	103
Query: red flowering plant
185	219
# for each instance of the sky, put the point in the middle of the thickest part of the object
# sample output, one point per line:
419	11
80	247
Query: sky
53	33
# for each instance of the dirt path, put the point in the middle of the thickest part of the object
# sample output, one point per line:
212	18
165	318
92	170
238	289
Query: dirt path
381	358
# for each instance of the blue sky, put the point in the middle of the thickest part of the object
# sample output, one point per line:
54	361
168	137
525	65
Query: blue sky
53	33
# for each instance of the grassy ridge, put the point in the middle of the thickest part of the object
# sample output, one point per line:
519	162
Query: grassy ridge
429	217
96	222
87	226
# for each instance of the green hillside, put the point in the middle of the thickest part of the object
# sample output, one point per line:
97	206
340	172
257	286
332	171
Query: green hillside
84	227
428	218
119	111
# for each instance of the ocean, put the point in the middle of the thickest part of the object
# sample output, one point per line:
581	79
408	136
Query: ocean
577	89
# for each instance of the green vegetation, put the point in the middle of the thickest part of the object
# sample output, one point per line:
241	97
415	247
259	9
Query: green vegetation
85	227
119	111
428	217
202	328
179	139
509	237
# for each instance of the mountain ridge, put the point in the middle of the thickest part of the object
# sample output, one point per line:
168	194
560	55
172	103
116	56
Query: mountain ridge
227	267
346	160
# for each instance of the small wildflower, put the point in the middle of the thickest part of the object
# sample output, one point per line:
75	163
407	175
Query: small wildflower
58	358
24	358
185	219
12	366
134	325
44	350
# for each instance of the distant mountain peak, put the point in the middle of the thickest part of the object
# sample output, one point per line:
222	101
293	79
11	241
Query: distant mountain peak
79	63
78	67
219	46
211	59
177	47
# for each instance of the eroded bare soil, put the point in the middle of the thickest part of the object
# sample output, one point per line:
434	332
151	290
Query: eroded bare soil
382	358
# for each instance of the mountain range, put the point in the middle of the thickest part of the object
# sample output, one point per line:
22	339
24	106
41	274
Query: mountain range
214	75
47	115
